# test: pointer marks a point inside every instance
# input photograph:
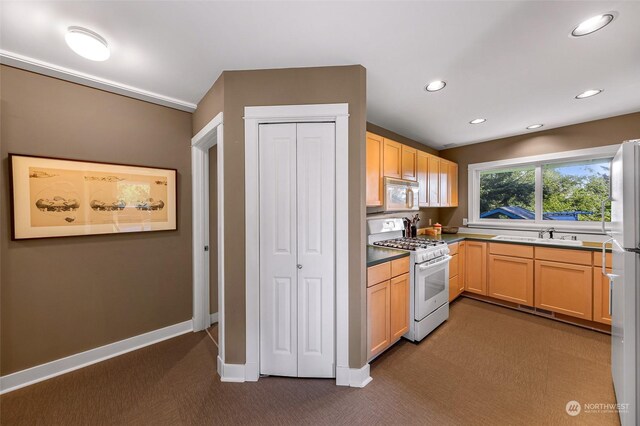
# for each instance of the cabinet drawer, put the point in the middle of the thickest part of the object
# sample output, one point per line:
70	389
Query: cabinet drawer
579	257
453	249
454	266
378	273
399	266
597	259
514	250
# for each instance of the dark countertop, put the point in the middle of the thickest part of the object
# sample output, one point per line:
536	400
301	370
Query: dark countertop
376	255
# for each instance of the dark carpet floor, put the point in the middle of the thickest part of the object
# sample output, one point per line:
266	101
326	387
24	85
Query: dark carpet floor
485	366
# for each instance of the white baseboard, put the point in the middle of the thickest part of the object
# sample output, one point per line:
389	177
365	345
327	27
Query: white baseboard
213	318
231	372
353	377
36	374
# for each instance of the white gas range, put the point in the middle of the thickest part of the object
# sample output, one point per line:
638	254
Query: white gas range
429	274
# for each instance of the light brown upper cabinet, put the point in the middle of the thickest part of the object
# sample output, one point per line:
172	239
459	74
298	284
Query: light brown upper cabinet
375	147
392	159
423	178
433	182
453	185
444	183
476	267
437	178
409	159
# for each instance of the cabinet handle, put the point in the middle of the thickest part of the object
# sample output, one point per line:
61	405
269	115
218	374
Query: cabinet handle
299	266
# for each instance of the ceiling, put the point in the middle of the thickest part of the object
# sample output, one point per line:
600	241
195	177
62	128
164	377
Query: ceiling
510	62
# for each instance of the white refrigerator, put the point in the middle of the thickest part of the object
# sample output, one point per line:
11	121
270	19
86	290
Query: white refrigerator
625	279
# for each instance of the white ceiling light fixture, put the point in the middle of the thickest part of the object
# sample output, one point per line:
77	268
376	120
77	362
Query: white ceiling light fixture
589	93
478	121
88	44
592	25
434	86
534	126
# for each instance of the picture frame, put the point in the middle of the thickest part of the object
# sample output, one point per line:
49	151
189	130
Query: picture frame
58	197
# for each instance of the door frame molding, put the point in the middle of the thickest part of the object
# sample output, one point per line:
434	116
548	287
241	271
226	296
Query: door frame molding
253	117
211	135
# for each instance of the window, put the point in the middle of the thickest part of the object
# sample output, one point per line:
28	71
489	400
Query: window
564	190
508	193
575	191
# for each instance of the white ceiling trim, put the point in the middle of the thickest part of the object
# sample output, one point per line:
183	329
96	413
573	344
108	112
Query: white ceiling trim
41	67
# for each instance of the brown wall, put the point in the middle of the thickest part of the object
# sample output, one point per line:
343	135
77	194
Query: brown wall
608	131
62	296
373	128
288	87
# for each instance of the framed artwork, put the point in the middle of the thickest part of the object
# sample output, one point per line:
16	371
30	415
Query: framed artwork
54	197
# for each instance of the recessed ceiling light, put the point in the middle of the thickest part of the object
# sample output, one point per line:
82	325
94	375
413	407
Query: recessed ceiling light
592	24
478	121
87	44
434	86
588	93
534	126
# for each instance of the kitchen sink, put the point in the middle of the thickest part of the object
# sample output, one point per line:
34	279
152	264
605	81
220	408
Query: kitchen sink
533	240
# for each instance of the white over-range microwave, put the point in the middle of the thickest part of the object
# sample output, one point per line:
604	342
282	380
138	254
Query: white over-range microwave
400	195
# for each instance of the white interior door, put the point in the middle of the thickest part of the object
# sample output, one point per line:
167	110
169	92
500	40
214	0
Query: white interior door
278	251
316	252
297	249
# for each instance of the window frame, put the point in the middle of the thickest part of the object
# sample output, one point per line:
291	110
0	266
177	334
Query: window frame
474	170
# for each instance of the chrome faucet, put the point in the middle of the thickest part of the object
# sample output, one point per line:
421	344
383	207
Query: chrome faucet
549	231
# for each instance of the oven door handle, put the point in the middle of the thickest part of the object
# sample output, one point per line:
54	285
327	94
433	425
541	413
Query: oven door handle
432	265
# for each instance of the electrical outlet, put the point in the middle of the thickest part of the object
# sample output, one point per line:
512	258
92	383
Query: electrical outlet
465	221
429	221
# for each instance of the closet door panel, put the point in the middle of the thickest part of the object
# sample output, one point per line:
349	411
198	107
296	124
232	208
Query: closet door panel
278	250
316	254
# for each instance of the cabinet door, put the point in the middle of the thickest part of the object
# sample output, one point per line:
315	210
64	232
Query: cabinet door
511	279
409	157
444	183
378	317
434	181
374	170
392	159
462	270
454	287
423	178
601	296
453	185
399	306
476	267
564	288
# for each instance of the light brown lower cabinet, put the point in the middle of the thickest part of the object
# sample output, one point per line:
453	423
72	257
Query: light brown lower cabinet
387	304
462	270
476	267
454	288
511	279
379	317
399	306
564	288
601	296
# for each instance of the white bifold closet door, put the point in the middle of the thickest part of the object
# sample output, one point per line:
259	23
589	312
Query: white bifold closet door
297	249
